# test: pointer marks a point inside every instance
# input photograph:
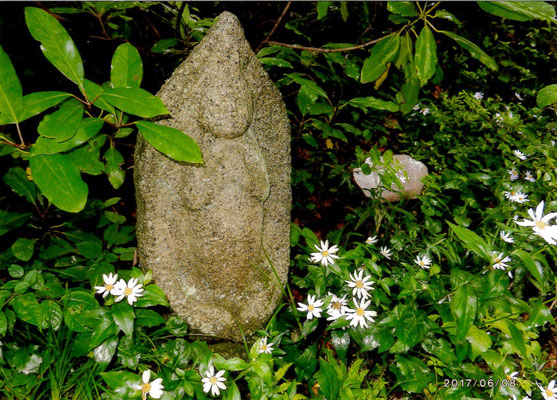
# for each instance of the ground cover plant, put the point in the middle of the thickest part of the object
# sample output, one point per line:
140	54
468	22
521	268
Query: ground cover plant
448	296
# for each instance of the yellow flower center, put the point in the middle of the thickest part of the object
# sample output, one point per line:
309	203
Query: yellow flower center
497	261
146	388
128	291
108	287
263	347
325	253
549	392
540	224
421	263
509	378
213	380
359	284
311	307
360	311
336	305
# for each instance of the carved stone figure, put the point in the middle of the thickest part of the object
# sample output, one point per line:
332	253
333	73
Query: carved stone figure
411	181
213	233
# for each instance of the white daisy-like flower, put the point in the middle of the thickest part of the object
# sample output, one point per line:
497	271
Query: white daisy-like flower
540	223
264	347
337	307
372	240
498	118
513	175
153	389
524	398
510	194
520	155
360	314
510	376
213	382
109	285
478	95
313	308
549	393
326	255
360	284
132	290
506	237
519	197
518	96
529	177
424	111
416	107
424	262
499	261
385	252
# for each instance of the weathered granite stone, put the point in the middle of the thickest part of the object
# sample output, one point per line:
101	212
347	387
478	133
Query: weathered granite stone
412	183
209	231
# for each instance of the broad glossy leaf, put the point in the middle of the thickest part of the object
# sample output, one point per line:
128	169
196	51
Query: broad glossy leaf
105	351
11	220
535	269
62	124
149	318
328	380
127	68
312	88
52	314
36	103
230	364
425	59
59	181
381	53
404	8
479	340
113	161
152	296
23	249
547	96
448	16
29	310
463	306
11	97
519	10
17	180
123	316
88	128
372	102
474	49
323	8
56	44
3	324
170	141
86	158
410	89
93	92
135	101
121	382
518	339
232	393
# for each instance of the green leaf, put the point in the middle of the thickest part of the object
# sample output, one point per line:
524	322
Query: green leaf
121	382
535	269
152	296
113	161
519	10
547	96
136	101
518	339
263	370
62	124
36	103
404	8
448	16
123	316
474	49
479	340
471	241
127	68
17	180
16	271
170	141
425	59
148	318
93	92
59	181
11	97
10	220
410	89
381	53
328	380
88	129
28	309
52	314
105	351
310	86
3	324
56	45
163	45
233	393
323	8
372	102
463	306
231	364
23	249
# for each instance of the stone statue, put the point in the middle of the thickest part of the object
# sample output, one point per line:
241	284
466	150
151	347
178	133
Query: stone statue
213	233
